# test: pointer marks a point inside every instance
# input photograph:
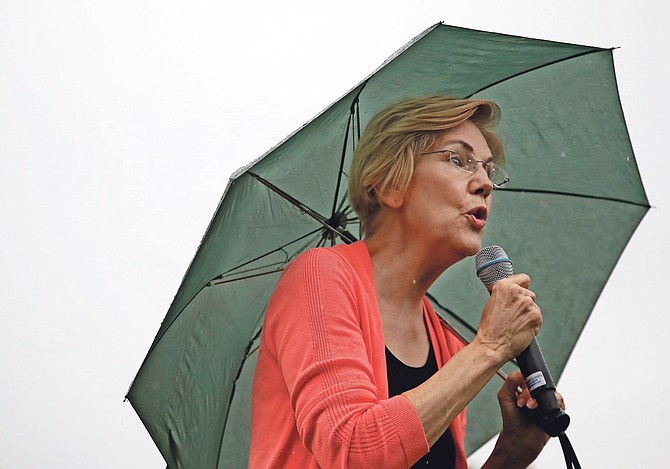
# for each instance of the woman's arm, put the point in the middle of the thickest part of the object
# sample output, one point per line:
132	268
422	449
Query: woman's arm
324	348
509	321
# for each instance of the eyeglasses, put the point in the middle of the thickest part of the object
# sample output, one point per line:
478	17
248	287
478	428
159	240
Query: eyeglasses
468	163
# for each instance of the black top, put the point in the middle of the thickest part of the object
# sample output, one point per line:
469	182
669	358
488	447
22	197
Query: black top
402	378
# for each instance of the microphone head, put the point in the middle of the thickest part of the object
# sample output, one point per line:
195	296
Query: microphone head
492	265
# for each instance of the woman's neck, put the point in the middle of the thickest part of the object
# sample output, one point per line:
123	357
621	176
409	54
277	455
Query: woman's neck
403	272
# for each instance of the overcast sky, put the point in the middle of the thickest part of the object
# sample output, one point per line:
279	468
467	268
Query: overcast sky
120	124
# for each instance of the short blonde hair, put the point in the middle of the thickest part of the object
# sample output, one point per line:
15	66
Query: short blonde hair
396	135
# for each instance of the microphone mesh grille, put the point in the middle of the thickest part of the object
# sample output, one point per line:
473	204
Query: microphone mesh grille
492	265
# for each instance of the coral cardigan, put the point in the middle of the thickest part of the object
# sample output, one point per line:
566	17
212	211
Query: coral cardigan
320	392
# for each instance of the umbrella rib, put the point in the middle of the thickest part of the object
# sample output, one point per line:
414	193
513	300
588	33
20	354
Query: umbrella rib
220	281
548	64
317	216
343	201
280	248
247	353
358	117
344	152
569	194
312	213
354	110
210	283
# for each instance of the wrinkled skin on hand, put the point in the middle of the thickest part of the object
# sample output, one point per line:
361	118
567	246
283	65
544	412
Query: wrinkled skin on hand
510	318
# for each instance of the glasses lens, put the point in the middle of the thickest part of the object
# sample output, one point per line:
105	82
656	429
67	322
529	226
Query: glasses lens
464	162
457	160
471	164
498	176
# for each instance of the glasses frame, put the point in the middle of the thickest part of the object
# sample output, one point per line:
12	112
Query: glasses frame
485	164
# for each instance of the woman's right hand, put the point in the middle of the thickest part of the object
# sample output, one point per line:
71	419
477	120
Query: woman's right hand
510	318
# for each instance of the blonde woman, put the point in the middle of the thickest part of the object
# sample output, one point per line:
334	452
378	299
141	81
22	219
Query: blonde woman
355	369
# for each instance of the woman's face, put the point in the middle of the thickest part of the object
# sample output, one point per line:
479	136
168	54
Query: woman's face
445	205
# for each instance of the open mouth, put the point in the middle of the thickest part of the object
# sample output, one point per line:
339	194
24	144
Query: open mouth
479	213
477	217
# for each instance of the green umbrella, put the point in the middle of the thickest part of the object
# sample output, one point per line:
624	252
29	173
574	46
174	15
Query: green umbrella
574	200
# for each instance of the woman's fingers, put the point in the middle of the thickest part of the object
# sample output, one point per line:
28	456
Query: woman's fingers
561	402
523	280
511	317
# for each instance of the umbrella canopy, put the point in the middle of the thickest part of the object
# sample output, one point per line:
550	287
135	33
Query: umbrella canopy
574	200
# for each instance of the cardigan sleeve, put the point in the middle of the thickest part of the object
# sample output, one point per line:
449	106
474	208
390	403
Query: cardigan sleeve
314	324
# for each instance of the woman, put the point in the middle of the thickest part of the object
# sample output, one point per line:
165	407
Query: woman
347	372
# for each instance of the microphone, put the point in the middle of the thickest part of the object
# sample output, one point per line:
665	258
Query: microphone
493	265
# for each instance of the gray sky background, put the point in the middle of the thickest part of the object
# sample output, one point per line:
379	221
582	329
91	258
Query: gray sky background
120	124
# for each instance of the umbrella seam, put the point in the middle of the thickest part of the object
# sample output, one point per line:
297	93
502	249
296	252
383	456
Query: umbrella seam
563	59
569	194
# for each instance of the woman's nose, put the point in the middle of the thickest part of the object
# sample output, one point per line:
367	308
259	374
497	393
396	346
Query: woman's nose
482	184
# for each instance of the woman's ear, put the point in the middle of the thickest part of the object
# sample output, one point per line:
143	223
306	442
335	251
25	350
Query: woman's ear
392	198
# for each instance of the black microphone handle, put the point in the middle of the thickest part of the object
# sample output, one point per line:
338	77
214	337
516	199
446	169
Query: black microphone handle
493	265
548	414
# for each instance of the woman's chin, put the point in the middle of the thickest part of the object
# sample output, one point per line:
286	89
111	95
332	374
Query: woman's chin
472	248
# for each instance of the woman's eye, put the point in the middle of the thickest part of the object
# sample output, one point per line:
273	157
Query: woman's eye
456	161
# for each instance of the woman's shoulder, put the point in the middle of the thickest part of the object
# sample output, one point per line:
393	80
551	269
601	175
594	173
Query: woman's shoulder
346	265
319	256
340	256
319	276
